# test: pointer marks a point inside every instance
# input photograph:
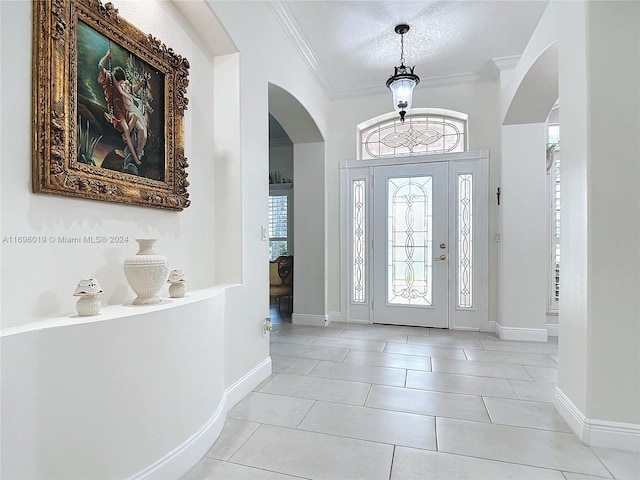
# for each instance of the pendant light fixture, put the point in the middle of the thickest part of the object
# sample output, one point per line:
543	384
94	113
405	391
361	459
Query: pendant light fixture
403	81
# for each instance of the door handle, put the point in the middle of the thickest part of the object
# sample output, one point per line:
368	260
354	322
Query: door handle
441	257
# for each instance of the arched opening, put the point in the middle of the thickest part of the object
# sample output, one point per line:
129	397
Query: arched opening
524	213
306	200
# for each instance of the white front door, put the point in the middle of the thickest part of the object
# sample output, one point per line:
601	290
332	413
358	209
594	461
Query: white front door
410	254
415	241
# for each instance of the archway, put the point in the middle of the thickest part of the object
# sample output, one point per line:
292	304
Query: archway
523	285
309	305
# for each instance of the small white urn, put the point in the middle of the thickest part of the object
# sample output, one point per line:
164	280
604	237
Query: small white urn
146	272
178	282
88	304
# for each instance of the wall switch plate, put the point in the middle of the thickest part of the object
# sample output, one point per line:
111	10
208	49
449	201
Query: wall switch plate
264	233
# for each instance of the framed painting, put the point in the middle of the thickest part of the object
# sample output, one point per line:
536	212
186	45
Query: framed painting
108	108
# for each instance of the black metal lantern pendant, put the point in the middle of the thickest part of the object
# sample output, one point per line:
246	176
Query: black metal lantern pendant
403	81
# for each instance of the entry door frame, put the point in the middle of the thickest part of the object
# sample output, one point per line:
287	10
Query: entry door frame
477	163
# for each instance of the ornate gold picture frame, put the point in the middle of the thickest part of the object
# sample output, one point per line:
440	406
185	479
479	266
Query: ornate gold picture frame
108	108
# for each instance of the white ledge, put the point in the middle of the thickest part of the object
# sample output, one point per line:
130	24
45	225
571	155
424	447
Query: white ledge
112	312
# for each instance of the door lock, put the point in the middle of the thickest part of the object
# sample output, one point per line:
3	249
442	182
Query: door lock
443	246
441	257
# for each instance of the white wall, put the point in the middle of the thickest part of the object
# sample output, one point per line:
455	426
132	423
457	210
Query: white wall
524	233
184	237
114	397
148	380
479	101
309	303
599	330
266	58
281	160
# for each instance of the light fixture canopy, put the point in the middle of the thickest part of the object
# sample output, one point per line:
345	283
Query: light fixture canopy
403	80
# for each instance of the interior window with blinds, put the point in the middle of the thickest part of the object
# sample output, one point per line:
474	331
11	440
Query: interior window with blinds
278	225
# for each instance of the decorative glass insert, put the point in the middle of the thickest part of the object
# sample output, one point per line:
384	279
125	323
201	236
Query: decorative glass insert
409	240
359	241
278	228
465	240
418	135
555	240
553	170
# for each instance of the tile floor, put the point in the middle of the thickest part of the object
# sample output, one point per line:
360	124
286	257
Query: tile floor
384	402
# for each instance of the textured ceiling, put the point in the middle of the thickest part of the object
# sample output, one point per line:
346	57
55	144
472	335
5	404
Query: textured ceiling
352	47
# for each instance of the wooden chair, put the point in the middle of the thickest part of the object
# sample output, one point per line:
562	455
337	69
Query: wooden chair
281	279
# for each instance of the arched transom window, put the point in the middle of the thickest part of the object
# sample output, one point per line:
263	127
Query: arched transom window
424	131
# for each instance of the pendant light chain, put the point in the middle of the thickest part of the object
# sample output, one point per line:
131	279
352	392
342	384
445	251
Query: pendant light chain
402	49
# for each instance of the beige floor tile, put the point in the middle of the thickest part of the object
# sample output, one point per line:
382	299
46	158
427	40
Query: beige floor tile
520	347
534	391
315	388
543	374
580	476
446	341
211	469
360	373
479	369
390	360
292	365
310	331
400	329
348	325
233	435
623	465
466	384
342	396
309	351
423	402
375	334
395	428
425	350
263	383
350	343
272	409
520	413
315	455
536	359
527	446
409	463
292	338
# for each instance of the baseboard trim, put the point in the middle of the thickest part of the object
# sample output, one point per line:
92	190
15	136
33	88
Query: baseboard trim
243	386
552	329
522	334
179	461
597	433
182	459
334	317
309	319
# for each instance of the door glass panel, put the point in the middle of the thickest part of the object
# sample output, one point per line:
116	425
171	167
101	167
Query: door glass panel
465	240
359	241
409	240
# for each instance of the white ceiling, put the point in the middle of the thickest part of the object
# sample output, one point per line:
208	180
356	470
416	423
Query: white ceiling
352	47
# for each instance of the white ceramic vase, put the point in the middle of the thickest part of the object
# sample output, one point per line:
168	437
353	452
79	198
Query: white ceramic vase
178	282
146	272
88	303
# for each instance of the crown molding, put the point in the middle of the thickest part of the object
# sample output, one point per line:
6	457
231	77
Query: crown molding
292	29
506	63
289	24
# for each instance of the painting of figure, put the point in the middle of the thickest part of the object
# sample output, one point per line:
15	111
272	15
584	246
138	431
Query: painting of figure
120	123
